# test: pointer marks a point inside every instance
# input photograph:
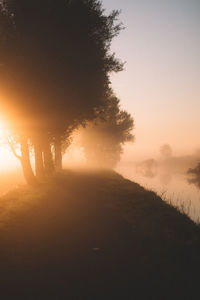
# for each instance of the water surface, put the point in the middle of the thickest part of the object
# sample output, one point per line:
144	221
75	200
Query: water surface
172	185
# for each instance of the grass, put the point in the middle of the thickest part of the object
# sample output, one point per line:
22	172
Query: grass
176	201
95	235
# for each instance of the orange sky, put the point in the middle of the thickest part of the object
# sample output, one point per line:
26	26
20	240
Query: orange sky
160	86
7	159
161	82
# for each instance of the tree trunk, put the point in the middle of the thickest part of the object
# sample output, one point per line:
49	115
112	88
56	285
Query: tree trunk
58	153
39	166
48	159
25	162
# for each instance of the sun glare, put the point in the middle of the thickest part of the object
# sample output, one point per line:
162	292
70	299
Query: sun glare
7	159
3	131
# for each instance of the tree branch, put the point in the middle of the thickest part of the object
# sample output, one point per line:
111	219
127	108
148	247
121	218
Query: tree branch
13	150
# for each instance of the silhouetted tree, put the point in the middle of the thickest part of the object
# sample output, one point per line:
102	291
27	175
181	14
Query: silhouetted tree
166	151
21	150
55	66
195	175
104	137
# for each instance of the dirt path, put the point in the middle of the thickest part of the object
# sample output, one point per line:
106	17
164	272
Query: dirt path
96	236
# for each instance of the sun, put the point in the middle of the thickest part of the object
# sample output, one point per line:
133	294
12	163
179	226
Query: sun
7	159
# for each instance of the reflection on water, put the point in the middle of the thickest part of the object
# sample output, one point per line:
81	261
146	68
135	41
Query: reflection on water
176	187
194	176
148	168
195	180
173	186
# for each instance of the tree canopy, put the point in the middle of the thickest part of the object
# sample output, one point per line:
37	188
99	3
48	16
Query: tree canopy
55	65
57	59
103	138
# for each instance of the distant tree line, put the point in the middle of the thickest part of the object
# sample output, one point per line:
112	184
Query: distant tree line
55	66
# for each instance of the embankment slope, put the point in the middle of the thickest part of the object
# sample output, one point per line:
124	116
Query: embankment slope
95	235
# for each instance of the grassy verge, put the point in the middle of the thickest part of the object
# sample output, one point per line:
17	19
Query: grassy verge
95	235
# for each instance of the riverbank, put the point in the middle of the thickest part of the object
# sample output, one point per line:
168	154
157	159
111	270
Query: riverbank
95	235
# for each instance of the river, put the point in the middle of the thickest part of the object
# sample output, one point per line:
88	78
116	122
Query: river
172	185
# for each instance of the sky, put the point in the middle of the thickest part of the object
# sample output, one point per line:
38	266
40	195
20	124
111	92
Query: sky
160	85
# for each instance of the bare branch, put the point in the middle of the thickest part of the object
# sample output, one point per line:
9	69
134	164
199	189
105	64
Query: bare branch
10	143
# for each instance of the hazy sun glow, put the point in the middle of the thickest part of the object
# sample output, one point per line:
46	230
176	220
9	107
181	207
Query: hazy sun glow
160	83
7	159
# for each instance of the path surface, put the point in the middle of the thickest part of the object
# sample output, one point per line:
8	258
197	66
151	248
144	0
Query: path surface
95	236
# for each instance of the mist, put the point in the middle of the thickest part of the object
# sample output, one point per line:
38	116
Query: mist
99	149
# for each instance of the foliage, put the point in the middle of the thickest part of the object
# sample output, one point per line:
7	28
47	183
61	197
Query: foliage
104	137
195	175
166	151
55	67
58	60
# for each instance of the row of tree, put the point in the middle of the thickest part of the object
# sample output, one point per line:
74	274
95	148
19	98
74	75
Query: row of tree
103	138
55	64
